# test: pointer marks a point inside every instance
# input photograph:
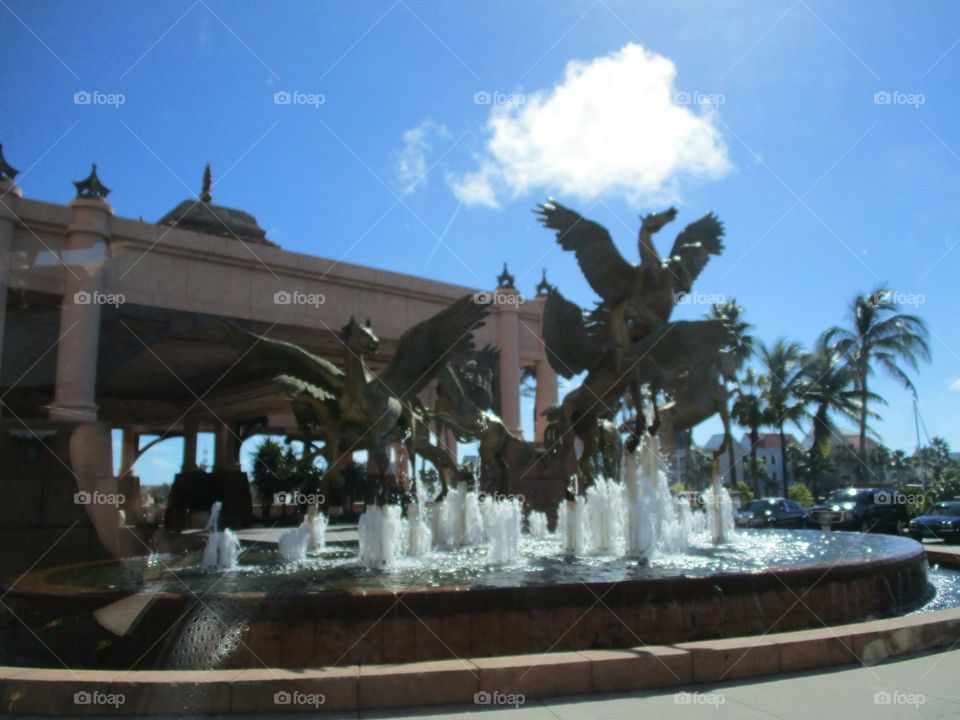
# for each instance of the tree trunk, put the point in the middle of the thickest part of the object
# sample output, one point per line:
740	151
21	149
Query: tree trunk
863	432
783	459
814	468
732	462
754	439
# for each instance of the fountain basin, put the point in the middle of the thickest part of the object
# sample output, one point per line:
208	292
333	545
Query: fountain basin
332	612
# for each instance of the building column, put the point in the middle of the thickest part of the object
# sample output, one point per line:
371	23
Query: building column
85	257
10	194
189	463
508	337
129	445
224	449
546	396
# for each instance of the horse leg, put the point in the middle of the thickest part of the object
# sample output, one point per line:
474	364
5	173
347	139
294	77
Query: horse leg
656	413
640	422
379	456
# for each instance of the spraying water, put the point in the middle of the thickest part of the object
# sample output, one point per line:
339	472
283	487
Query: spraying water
537	524
223	547
457	519
293	545
382	532
501	520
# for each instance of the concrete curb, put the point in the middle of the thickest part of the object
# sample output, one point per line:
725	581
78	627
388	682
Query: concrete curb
481	681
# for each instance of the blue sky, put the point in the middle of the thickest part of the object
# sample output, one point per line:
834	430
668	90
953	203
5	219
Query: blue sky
767	113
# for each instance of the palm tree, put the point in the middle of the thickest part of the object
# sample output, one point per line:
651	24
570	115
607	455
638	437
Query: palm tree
750	411
741	350
828	384
879	461
782	390
878	335
900	464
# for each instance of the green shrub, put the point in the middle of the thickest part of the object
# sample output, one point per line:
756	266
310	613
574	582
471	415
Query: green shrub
746	494
800	493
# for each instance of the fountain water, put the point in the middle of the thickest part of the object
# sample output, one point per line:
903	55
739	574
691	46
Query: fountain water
457	519
502	520
293	545
537	524
573	526
419	534
382	533
222	548
639	515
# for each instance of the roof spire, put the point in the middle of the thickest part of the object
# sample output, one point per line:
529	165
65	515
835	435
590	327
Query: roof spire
91	187
505	279
7	171
543	287
205	194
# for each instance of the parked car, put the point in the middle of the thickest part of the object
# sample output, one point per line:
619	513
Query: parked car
771	512
940	521
873	509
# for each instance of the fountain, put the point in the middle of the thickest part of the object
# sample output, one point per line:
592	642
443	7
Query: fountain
669	570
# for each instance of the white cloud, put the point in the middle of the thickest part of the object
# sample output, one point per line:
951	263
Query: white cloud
418	144
955	385
613	125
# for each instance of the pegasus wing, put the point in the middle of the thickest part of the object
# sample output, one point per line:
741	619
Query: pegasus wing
424	348
608	273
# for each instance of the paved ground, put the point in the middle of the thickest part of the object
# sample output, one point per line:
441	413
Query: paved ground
919	688
336	535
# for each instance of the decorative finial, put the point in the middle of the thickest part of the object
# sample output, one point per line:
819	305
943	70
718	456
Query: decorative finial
91	187
205	195
543	287
505	279
7	171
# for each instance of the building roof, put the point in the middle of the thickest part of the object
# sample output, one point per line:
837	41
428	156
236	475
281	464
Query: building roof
769	441
203	216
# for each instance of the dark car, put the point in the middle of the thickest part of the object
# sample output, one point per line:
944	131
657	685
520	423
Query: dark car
940	521
862	509
771	512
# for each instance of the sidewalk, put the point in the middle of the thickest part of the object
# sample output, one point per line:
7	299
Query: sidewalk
919	688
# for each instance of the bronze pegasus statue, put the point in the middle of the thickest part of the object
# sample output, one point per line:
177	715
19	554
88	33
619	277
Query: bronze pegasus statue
353	408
